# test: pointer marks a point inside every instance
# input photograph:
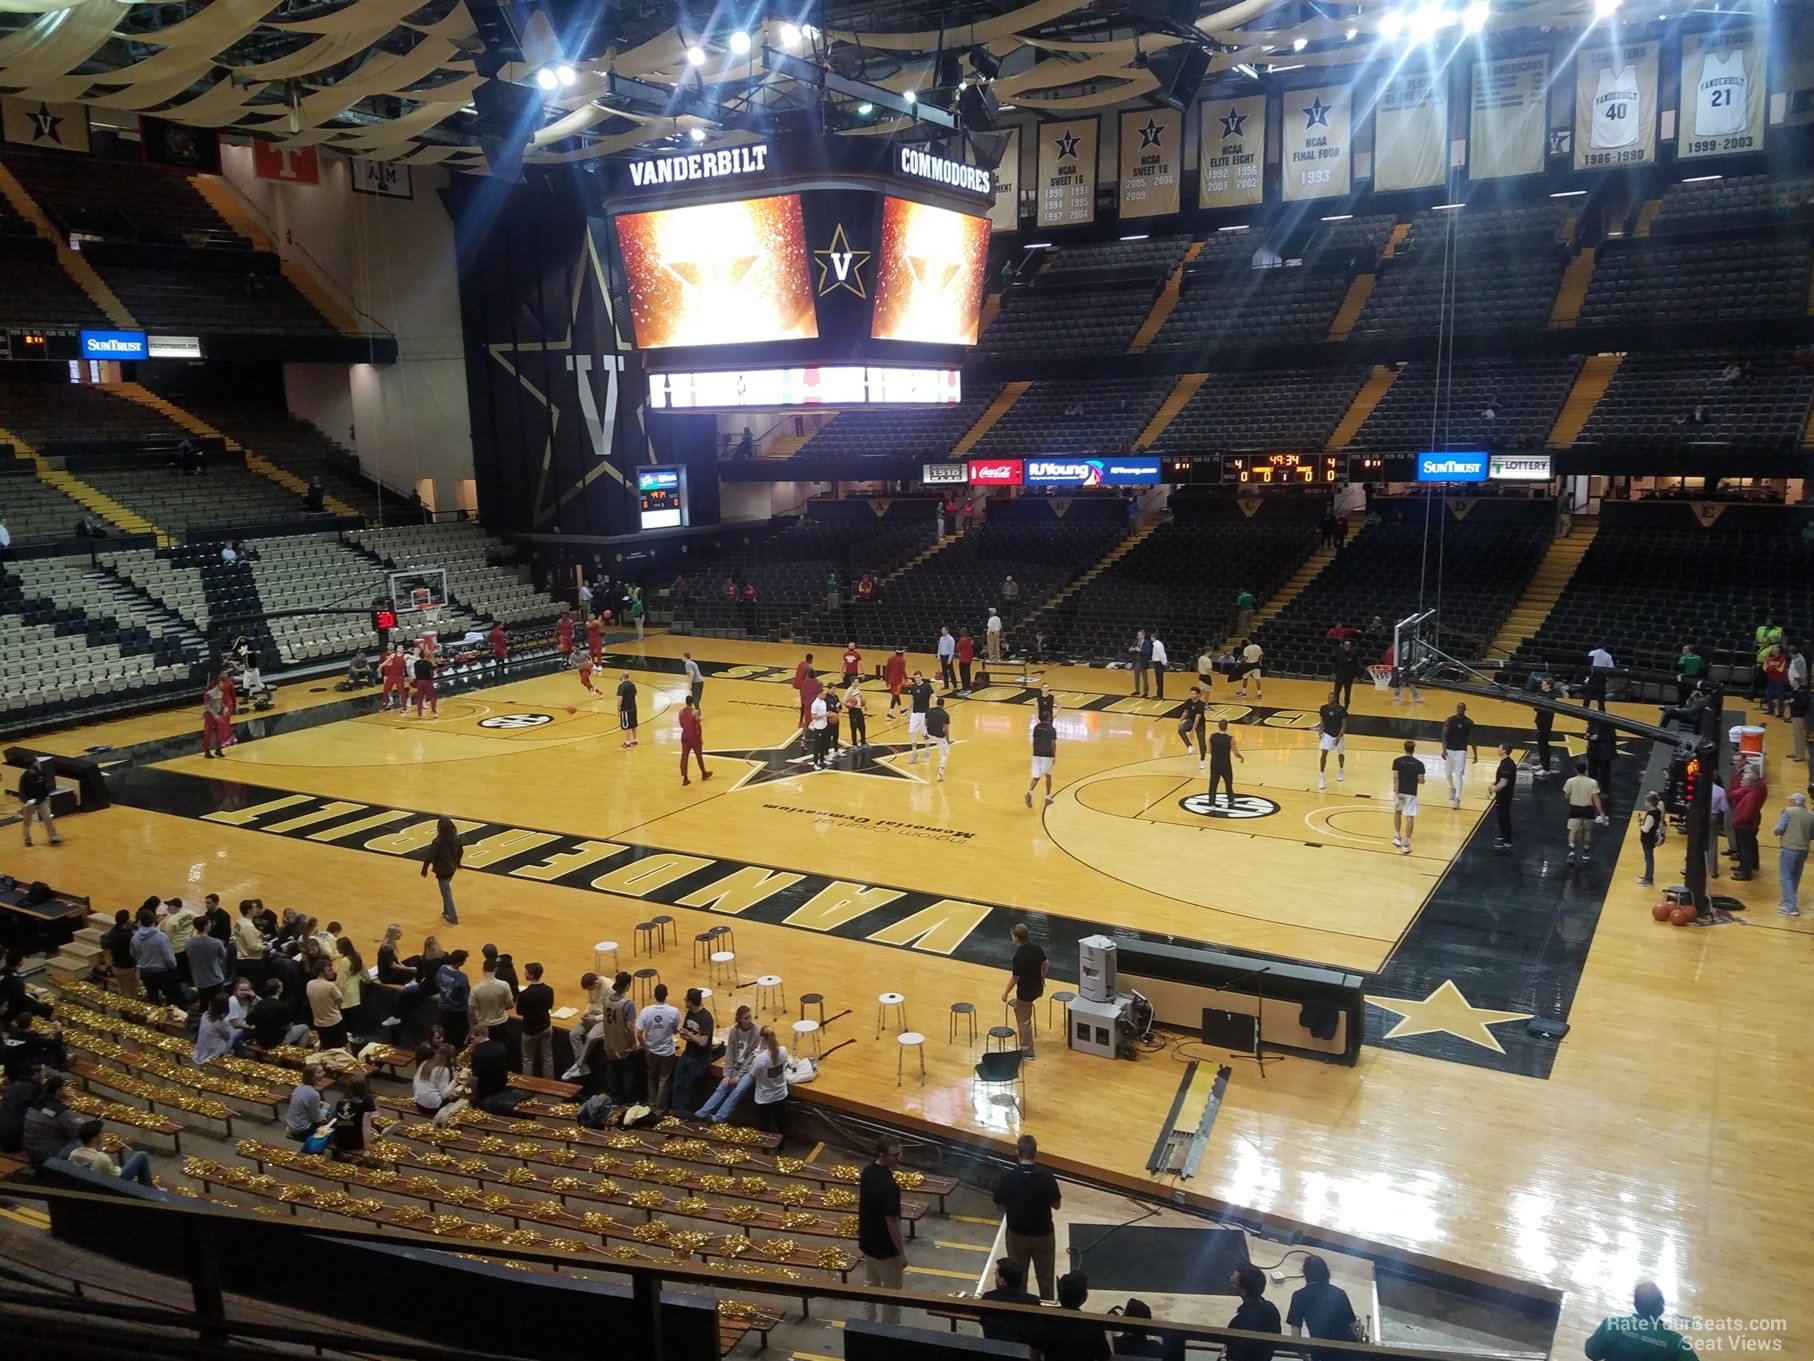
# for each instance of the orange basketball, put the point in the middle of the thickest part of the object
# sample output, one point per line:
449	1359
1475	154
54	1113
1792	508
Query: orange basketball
1662	911
571	709
1682	915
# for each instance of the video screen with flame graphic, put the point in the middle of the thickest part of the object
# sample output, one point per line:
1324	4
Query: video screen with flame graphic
718	273
929	284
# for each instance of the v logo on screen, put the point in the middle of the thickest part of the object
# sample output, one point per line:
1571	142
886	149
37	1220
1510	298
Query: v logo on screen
840	266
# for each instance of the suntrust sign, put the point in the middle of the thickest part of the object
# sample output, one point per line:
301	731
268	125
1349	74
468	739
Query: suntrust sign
1451	466
995	472
113	344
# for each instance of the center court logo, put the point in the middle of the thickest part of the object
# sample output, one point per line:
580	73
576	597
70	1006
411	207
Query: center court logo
1244	806
513	721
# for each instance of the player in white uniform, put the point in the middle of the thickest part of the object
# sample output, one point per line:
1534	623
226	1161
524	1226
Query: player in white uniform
1720	107
1616	110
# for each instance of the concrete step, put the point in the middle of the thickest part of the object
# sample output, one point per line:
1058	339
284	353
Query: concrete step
67	968
91	935
100	921
85	949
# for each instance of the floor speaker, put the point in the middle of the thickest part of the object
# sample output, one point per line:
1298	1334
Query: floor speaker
1234	1030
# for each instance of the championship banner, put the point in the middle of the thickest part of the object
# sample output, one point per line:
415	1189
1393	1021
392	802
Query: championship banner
33	122
1231	147
1724	94
1004	212
1152	153
1067	172
1411	131
1615	106
1508	128
1318	138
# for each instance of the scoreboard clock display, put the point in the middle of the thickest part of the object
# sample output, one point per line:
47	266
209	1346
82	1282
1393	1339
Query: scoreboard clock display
1283	469
661	495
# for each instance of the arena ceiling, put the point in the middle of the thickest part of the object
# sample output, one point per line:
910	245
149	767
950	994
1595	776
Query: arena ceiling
397	79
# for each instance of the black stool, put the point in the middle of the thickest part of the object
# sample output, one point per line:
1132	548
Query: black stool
812	999
966	1010
642	984
645	939
1005	1034
702	948
661	924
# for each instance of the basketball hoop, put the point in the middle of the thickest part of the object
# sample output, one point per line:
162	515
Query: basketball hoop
421	598
1382	677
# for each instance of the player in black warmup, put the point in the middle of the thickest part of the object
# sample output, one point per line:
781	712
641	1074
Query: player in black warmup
1333	720
626	709
1546	725
1045	703
1045	752
938	728
1505	783
1223	753
1347	669
1192	723
1407	775
919	700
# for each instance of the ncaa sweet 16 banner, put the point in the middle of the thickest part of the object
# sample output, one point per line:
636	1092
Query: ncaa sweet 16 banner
1508	127
1615	106
1411	130
1231	142
1723	93
1152	152
1067	172
1314	159
1004	210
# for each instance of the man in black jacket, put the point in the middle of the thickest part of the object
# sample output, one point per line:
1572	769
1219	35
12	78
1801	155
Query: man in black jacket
36	785
1257	1314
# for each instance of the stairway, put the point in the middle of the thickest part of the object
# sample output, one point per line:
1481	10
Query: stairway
90	498
1307	572
233	210
1010	394
1359	290
991	310
134	392
78	269
1399	233
1101	565
1162	304
1378	383
1566	310
1175	401
786	446
1590	385
1646	215
1545	587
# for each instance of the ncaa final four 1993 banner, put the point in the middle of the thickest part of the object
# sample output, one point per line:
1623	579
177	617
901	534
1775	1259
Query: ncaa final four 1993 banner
1004	211
1615	106
1152	151
1231	144
1067	172
1315	153
1724	89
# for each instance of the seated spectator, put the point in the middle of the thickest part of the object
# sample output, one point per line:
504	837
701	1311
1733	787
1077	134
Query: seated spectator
306	1111
14	999
1010	1288
229	555
214	1035
490	1072
392	971
17	1097
1322	1310
866	587
87	1152
50	1126
359	673
1257	1314
353	1119
434	1079
274	1020
1639	1335
1137	1341
239	1013
1073	1343
25	1050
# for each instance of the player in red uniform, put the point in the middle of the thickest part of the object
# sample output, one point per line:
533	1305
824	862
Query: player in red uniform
563	638
853	663
229	693
585	675
395	671
216	728
894	674
499	650
691	740
595	640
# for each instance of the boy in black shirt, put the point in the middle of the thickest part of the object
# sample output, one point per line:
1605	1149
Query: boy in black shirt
1192	722
1407	775
534	1004
1333	721
1546	724
626	709
1505	781
919	700
1257	1314
1223	753
879	1226
938	728
1045	752
425	687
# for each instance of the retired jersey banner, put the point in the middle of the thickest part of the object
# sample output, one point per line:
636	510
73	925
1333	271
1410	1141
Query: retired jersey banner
1231	151
1411	131
1508	126
1067	172
1004	212
33	122
1724	89
1152	152
1319	134
1615	106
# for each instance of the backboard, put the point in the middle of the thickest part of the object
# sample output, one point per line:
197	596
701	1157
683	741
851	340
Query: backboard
1413	640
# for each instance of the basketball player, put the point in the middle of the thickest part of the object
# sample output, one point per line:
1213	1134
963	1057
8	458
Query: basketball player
859	720
832	707
425	685
691	740
595	640
853	663
919	700
894	676
585	675
1457	743
1332	722
1193	721
938	728
695	678
229	693
563	639
500	651
395	670
1206	668
1045	752
1045	702
807	683
1347	671
626	709
1251	657
1224	751
1407	775
818	735
215	727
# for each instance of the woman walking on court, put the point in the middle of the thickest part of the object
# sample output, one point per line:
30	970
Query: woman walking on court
444	858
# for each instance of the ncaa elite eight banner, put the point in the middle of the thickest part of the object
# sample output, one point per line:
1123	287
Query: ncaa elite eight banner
1723	89
1615	106
1314	158
1152	150
1411	131
1231	143
1067	172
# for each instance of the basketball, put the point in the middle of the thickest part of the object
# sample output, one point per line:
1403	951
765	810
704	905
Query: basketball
1661	911
605	615
1681	916
572	709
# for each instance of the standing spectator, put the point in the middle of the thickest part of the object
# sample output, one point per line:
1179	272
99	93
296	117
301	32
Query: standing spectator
639	612
947	653
1747	816
966	654
122	968
1027	975
491	998
1244	607
1600	664
1650	836
739	1070
305	1110
444	857
453	996
1326	527
1322	1310
1545	723
992	636
1142	650
655	1028
1797	708
1766	636
879	1226
323	993
1256	1314
1776	681
1010	589
89	1153
156	960
1798	665
1159	660
770	1087
1792	829
833	594
695	1035
1689	668
1505	784
249	941
535	1005
853	663
617	1035
1640	1335
37	786
1346	671
1585	805
208	966
1028	1193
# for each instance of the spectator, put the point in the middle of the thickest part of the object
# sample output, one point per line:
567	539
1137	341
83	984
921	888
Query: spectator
1585	807
37	787
248	940
879	1235
26	1049
1159	660
492	999
1010	1288
1136	1341
453	994
946	649
1792	831
156	960
17	1098
535	1005
1322	1310
89	1153
966	656
122	968
214	1036
208	966
1028	1193
1600	664
444	857
1639	1335
274	1021
655	1028
490	1072
1074	1343
323	993
770	1087
50	1126
315	498
1776	681
1747	816
1651	831
240	1003
739	1070
833	593
1689	668
697	1027
1244	607
1797	708
992	636
434	1077
349	973
229	555
392	972
1257	1314
353	1118
1010	589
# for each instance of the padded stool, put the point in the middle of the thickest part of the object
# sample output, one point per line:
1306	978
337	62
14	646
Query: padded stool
643	983
702	947
724	967
599	951
909	1039
645	939
1064	998
966	1010
661	924
804	1031
1003	1037
1007	1017
812	999
885	1001
770	993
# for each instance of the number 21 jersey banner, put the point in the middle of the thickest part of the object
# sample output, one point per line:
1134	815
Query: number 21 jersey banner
1317	142
1723	89
1616	106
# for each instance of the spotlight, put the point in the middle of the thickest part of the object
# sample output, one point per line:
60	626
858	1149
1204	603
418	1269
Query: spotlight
565	74
910	96
1299	44
695	55
1348	37
865	109
1427	21
985	63
1474	17
740	42
697	134
790	35
1391	24
1605	9
546	79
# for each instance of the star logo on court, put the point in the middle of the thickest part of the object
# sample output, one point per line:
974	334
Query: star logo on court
793	759
1067	146
840	266
1151	134
45	125
1234	123
1316	114
1447	1012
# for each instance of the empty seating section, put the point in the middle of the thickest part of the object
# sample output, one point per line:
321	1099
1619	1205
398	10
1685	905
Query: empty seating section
1157	255
1525	225
1292	410
790	570
1643	592
1432	405
32	510
1391	569
34	291
175	585
228	495
1076	418
293	445
251	300
92	196
480	577
1356	240
1721	205
1068	323
1472	287
1656	397
1647	281
46	415
955	586
1224	304
927	433
1179	584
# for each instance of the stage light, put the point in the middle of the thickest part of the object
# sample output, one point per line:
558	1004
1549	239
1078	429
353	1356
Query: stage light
1238	227
740	42
697	134
790	35
1447	207
910	96
1569	193
1427	21
546	79
1299	44
565	74
1339	217
865	109
1605	9
1391	24
695	55
1474	17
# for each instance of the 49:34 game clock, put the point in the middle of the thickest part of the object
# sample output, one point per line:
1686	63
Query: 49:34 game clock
1302	469
661	497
